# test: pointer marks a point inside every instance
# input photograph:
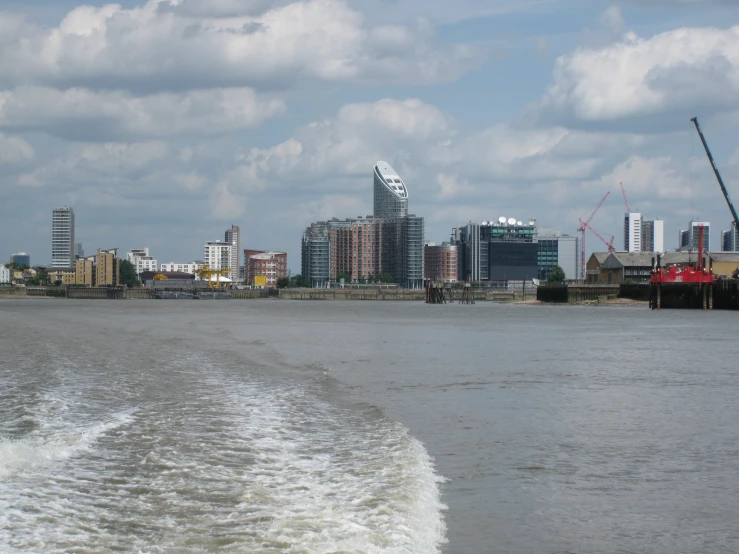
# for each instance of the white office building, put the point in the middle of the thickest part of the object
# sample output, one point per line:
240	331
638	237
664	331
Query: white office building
62	237
141	260
186	267
4	275
633	232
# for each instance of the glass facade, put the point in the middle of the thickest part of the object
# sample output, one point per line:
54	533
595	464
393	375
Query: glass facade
390	193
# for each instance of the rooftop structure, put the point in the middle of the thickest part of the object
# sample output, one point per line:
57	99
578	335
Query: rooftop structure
390	193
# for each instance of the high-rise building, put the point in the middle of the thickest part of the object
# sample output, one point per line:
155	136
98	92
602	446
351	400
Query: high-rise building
559	250
653	236
441	262
730	239
62	237
689	237
390	193
316	255
78	250
21	258
632	232
218	255
141	260
503	250
233	237
269	265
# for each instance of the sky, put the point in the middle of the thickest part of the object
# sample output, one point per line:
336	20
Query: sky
164	122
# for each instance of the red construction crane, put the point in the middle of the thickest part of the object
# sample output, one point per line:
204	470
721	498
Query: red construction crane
609	245
581	229
626	199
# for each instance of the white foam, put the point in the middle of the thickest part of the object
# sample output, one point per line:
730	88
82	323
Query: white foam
38	451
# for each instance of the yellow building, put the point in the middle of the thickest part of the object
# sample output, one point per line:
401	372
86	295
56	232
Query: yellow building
85	271
108	268
64	274
725	264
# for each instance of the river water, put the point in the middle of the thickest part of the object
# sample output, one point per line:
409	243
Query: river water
317	427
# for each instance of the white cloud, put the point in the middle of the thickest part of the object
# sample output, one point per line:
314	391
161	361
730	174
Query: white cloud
83	114
14	150
162	45
684	69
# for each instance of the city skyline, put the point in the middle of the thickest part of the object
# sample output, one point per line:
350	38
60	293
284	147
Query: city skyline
479	121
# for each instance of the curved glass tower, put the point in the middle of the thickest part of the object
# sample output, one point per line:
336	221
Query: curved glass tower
391	194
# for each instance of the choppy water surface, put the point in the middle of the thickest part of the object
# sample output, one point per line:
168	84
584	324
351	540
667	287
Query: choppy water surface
272	426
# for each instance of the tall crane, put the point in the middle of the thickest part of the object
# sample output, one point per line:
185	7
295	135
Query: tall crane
609	245
581	229
626	198
718	175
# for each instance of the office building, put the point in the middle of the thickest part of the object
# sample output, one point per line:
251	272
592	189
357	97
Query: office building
689	237
62	237
4	275
390	193
264	267
107	268
141	260
503	250
633	232
21	258
78	250
729	242
233	237
653	236
441	262
558	250
186	267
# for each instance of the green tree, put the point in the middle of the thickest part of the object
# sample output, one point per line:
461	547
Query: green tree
347	276
128	274
283	283
299	281
557	276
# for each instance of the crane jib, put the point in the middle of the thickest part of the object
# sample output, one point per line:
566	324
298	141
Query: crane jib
716	172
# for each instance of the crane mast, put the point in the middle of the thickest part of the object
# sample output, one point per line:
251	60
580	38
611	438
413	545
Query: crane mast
715	170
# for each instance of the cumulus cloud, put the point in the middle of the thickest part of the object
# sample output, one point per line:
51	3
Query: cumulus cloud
83	114
161	45
675	72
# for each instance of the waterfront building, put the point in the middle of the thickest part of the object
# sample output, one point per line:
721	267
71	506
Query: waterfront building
84	271
390	193
503	250
558	250
78	250
174	280
653	236
107	268
315	255
4	275
218	255
62	275
186	267
633	232
623	267
725	264
21	258
388	242
142	260
264	267
233	237
62	237
730	239
441	262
